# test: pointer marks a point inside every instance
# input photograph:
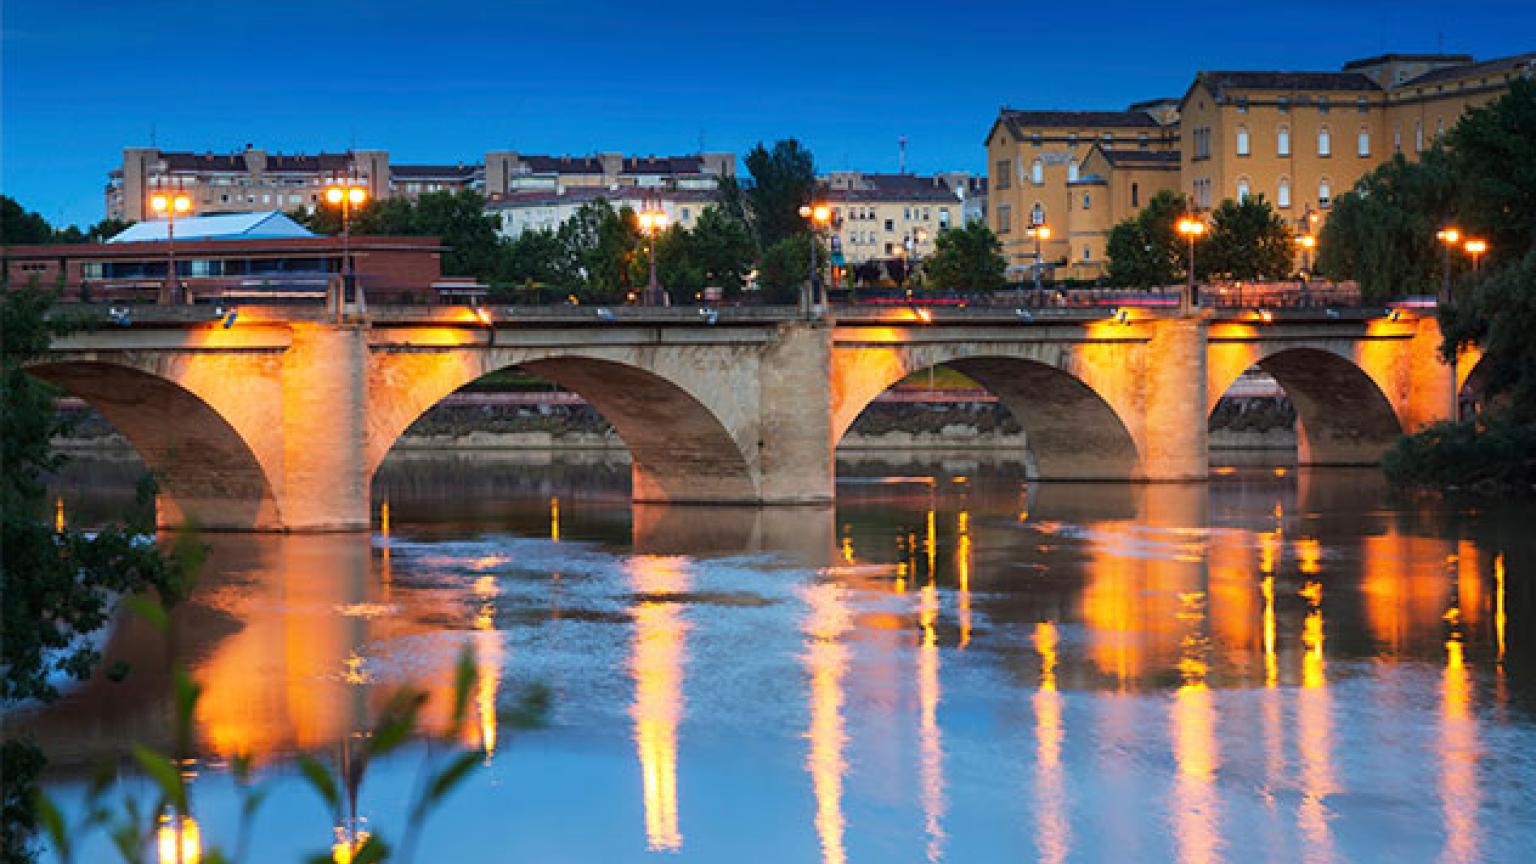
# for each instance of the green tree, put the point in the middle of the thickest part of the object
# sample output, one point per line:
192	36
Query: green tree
786	266
1147	251
107	229
19	226
783	179
537	259
1248	240
969	258
59	586
460	220
717	252
1381	233
599	245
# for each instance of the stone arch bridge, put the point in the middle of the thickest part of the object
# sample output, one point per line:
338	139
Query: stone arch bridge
279	421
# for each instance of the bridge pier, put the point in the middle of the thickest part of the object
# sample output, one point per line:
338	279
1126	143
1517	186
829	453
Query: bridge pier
1174	436
795	441
324	484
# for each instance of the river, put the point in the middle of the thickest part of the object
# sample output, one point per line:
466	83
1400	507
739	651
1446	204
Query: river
950	664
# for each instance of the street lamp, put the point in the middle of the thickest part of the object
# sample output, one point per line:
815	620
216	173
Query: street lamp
820	216
652	222
1476	248
1192	229
1039	231
170	203
1448	238
914	254
345	195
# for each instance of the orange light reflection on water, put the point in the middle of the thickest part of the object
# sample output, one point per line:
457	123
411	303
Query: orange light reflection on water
1460	793
826	659
1196	804
930	741
656	665
1314	734
1053	833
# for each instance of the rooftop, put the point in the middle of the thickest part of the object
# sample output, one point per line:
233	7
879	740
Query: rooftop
1347	81
1406	58
1526	61
584	194
1073	119
226	226
1141	158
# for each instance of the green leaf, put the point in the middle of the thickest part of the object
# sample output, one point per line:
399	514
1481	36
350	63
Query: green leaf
53	823
372	851
463	686
163	772
320	779
452	775
149	610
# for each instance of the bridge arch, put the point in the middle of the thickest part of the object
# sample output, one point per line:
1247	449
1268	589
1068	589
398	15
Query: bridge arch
686	446
208	472
1343	414
1072	430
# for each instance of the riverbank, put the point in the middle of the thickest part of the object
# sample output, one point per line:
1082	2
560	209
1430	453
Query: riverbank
900	421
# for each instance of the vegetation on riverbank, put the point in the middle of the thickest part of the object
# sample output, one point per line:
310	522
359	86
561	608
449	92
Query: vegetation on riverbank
1481	179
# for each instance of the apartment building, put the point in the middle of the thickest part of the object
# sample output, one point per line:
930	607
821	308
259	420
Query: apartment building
882	216
1299	139
254	179
547	209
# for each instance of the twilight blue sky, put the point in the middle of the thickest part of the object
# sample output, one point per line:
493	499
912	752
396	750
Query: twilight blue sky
445	81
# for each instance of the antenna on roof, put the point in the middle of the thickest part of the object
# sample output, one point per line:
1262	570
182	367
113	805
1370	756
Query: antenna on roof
901	144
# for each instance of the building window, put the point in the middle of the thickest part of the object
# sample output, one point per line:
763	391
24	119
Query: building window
890	224
1072	171
687	215
1087	254
1242	189
1283	192
1135	195
1324	196
927	214
1284	105
1363	142
1072	138
943	218
1242	105
1109	138
1087	201
1034	139
1142	141
1242	140
1037	173
1324	142
1418	136
1004	214
1397	139
1283	141
1439	126
1322	104
1362	105
906	214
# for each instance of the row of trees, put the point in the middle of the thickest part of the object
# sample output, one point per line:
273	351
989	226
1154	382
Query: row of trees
1247	240
19	225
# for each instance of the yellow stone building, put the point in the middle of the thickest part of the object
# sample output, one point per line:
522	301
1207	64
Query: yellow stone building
1299	139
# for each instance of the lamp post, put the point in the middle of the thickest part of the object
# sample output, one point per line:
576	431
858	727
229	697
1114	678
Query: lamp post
1192	229
653	220
345	195
1476	248
1039	231
170	203
1448	238
914	255
820	216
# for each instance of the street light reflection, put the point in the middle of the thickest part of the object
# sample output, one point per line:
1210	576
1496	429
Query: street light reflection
826	659
656	665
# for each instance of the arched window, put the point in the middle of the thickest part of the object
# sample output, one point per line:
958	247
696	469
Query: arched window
1363	142
1242	140
1242	189
1072	171
1324	142
1418	136
1283	192
1087	202
1324	194
1037	173
1397	139
1283	141
1135	194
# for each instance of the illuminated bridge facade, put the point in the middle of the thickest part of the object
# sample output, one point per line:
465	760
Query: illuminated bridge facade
280	421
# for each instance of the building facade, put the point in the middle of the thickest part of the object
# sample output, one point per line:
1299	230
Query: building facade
257	180
1298	139
886	216
546	210
1034	157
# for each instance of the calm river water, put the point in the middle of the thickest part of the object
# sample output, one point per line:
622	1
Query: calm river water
951	664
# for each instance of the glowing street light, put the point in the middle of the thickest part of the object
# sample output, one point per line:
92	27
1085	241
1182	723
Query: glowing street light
1192	229
653	221
1040	231
178	840
1476	248
170	203
346	195
1448	238
820	216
